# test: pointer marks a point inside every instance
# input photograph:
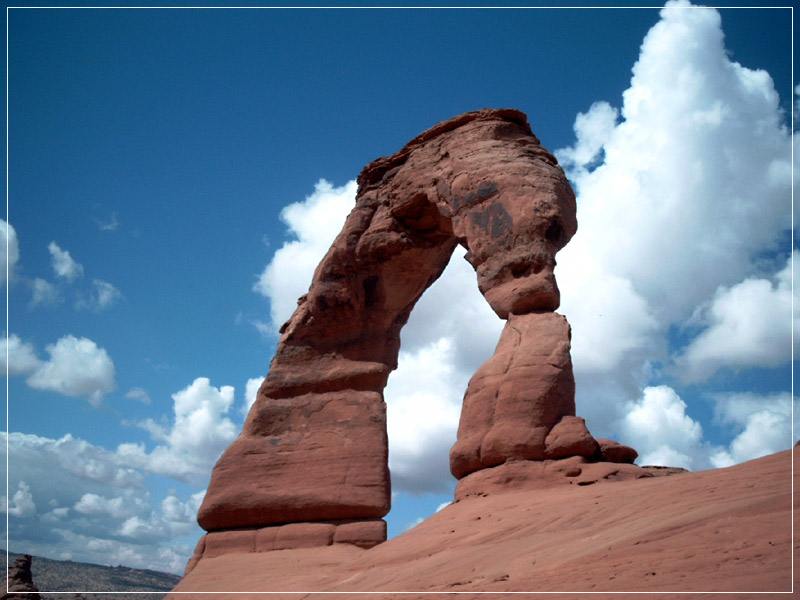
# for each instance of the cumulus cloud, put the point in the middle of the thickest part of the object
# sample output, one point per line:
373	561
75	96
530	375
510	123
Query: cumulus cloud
748	324
63	264
18	357
192	443
593	130
423	401
9	250
694	180
314	224
77	367
762	423
102	296
681	193
117	507
22	504
658	426
610	320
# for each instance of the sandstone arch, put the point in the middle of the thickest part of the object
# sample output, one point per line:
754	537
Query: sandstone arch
313	450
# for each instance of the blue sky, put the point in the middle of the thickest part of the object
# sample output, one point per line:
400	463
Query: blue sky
153	154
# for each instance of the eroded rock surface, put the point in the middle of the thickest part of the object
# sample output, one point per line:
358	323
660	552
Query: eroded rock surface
18	582
313	450
516	398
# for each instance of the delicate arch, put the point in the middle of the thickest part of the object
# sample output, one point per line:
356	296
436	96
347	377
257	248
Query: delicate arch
314	446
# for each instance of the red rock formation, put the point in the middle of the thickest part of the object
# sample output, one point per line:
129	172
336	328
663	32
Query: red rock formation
18	582
314	446
516	398
723	534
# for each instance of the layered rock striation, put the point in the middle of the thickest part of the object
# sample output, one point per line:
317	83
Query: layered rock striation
312	456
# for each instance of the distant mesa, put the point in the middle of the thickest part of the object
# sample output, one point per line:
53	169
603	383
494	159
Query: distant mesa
310	467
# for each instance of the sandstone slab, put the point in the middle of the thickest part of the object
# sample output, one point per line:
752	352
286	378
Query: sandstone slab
722	534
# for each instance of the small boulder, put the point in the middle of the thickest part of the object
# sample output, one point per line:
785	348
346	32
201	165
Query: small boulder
570	437
615	452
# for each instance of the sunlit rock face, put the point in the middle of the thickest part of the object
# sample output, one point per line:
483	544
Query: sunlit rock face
314	447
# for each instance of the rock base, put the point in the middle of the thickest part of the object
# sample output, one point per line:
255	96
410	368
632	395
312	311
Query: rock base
364	534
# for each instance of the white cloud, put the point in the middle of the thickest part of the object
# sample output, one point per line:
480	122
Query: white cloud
57	515
691	185
749	324
592	130
63	461
680	195
610	320
22	504
314	223
102	296
194	441
176	511
99	506
659	428
9	250
423	401
140	394
64	265
250	393
118	507
77	367
44	293
17	357
763	425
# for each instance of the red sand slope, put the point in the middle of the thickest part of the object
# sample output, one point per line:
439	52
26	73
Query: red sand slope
726	530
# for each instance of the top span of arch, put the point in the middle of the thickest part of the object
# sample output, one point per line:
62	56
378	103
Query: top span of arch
374	172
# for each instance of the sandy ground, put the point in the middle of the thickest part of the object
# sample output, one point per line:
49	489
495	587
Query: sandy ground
725	533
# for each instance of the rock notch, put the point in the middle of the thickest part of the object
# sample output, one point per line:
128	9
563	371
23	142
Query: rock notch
310	466
18	582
